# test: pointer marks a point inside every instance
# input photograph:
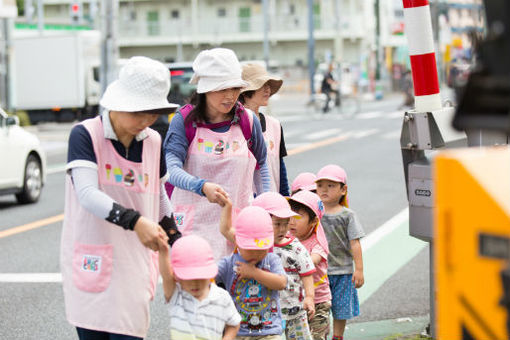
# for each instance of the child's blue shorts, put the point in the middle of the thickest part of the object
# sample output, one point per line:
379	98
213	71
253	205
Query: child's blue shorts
345	304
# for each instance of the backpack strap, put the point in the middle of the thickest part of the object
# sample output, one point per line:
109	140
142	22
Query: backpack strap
190	128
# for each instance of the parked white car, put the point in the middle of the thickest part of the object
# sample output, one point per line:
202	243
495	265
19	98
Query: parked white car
22	161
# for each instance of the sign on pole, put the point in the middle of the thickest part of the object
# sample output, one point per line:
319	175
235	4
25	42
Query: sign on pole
8	9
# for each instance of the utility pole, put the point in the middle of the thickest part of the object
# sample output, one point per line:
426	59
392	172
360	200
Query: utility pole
109	50
40	16
29	11
377	40
5	101
311	49
265	7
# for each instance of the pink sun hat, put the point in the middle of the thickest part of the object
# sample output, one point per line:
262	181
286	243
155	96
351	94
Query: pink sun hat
312	201
304	181
192	258
333	173
275	204
337	174
254	229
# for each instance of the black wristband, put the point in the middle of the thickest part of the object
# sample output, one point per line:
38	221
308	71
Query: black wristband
170	228
125	218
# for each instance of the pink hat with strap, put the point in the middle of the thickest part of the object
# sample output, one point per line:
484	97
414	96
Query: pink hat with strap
192	258
275	204
254	229
304	181
333	172
312	201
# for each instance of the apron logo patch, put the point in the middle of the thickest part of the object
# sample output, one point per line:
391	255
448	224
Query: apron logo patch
179	219
91	263
220	146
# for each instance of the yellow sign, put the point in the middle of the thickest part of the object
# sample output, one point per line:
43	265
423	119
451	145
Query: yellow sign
472	247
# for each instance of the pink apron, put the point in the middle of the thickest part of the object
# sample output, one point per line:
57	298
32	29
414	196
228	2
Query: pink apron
108	276
222	158
272	137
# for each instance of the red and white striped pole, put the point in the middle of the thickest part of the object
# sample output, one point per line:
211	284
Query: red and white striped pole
418	29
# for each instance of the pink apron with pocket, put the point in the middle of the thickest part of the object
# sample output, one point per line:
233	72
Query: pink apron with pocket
222	158
272	138
109	277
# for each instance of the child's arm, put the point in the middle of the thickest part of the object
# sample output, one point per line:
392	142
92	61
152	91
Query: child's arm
230	332
270	280
308	302
316	259
226	218
166	269
357	277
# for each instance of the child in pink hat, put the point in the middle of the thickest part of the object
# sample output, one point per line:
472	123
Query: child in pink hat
308	229
297	299
252	275
303	181
198	308
343	232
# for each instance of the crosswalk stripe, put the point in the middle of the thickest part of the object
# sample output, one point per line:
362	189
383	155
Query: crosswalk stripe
322	134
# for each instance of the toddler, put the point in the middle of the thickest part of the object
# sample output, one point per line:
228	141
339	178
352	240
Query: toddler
198	308
343	232
308	230
253	276
304	181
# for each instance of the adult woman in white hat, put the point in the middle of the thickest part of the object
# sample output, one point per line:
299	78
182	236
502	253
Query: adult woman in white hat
114	199
213	147
260	87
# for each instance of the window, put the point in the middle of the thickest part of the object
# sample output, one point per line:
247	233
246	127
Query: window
222	12
292	9
244	19
174	14
153	23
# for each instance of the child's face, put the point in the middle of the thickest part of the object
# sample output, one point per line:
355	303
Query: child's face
330	192
221	102
253	256
199	288
280	228
300	226
132	123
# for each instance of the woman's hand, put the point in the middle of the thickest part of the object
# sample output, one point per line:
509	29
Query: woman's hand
212	192
149	233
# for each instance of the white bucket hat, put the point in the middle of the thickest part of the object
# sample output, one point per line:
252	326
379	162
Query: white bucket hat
143	85
216	70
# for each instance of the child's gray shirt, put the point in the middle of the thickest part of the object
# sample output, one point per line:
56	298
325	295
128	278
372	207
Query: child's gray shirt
340	228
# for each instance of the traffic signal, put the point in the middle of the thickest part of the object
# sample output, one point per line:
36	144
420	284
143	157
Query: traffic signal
76	12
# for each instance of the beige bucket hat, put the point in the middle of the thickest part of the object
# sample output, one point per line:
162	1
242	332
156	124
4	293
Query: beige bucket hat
256	76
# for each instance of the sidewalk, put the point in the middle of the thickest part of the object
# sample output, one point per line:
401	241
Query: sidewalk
395	329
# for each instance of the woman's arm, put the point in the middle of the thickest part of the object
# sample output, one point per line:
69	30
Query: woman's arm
260	152
176	150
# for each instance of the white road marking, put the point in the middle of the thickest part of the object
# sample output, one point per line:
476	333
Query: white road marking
322	134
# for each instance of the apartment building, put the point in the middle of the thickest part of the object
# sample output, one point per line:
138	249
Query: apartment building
175	30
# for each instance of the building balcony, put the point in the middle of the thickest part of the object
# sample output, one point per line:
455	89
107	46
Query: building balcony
230	30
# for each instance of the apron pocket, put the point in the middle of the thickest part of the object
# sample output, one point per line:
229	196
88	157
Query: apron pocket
184	216
92	266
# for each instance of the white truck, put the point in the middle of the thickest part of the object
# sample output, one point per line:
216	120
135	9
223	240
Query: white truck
52	75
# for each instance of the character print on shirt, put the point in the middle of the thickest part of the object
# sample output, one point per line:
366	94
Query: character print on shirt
256	310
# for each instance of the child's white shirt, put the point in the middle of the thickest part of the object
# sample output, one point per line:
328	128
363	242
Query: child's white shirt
192	319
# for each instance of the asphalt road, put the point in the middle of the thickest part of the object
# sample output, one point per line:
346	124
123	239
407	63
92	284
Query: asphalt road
365	144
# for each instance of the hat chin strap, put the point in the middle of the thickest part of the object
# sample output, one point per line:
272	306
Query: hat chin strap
312	230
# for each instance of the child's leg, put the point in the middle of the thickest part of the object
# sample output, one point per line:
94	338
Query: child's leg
339	327
298	328
319	324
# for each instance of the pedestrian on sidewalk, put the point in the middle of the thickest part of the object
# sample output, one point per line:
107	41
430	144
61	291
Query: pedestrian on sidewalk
343	232
304	181
198	308
253	276
213	147
297	299
114	200
308	229
261	86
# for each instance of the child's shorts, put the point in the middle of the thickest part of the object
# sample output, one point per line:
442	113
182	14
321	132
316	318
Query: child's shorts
344	304
298	328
